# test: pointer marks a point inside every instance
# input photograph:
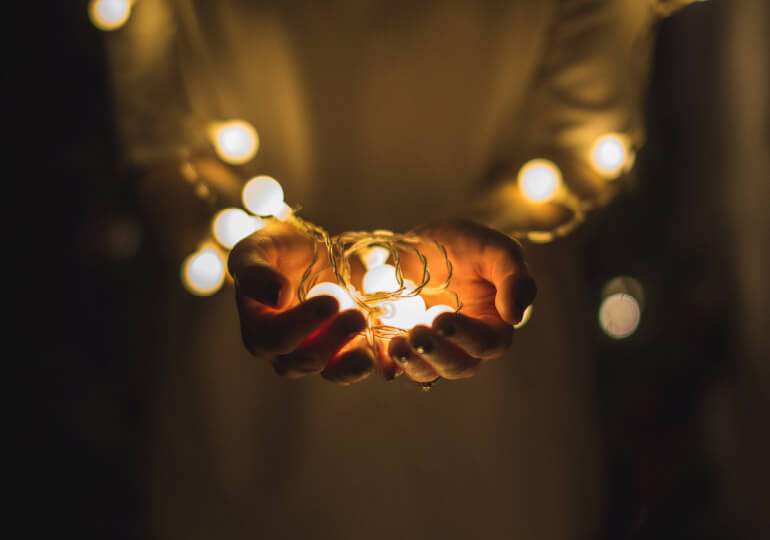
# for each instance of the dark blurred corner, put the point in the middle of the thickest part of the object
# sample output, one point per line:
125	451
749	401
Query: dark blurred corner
682	399
88	275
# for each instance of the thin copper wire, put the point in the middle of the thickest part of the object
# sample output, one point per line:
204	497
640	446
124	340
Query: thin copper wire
340	250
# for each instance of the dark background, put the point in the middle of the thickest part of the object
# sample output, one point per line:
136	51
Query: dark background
90	271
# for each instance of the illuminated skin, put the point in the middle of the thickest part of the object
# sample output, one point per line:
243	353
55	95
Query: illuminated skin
301	339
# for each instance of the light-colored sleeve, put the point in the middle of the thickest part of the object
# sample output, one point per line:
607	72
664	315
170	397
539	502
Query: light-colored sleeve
152	116
591	82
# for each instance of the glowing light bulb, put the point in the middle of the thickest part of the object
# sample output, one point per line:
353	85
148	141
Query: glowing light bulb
619	315
263	196
332	289
232	225
609	155
539	180
524	317
381	279
375	256
203	272
434	311
405	312
109	14
235	142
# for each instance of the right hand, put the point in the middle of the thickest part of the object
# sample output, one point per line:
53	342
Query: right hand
297	338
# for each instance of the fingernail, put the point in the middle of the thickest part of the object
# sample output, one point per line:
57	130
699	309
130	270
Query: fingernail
423	345
400	352
445	328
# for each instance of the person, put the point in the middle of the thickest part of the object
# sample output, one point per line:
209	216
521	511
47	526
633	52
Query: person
381	115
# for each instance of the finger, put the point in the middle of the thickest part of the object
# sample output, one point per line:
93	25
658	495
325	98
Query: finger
273	257
479	338
318	349
351	365
407	358
501	263
266	330
514	294
264	284
447	359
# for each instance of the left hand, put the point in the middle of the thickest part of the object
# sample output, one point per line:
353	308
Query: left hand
491	278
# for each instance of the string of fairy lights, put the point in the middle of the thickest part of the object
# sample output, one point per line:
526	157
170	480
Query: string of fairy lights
391	303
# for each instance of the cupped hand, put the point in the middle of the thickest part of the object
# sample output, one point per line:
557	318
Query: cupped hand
297	338
492	281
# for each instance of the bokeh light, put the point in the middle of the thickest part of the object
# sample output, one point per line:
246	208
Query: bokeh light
235	142
109	14
619	315
609	155
263	196
539	180
231	225
203	272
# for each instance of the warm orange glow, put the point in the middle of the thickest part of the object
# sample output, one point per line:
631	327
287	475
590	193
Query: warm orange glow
609	155
539	180
232	225
203	272
109	14
235	142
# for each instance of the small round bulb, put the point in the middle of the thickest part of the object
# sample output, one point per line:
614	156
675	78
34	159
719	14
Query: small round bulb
375	256
404	313
235	142
263	196
232	225
539	179
609	155
203	272
381	279
332	289
109	14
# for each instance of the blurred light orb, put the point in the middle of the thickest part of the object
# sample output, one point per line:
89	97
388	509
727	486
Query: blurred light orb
525	317
539	180
433	312
327	288
619	315
381	279
232	225
235	142
609	155
263	196
109	15
203	272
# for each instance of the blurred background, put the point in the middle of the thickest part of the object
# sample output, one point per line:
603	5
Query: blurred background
683	398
